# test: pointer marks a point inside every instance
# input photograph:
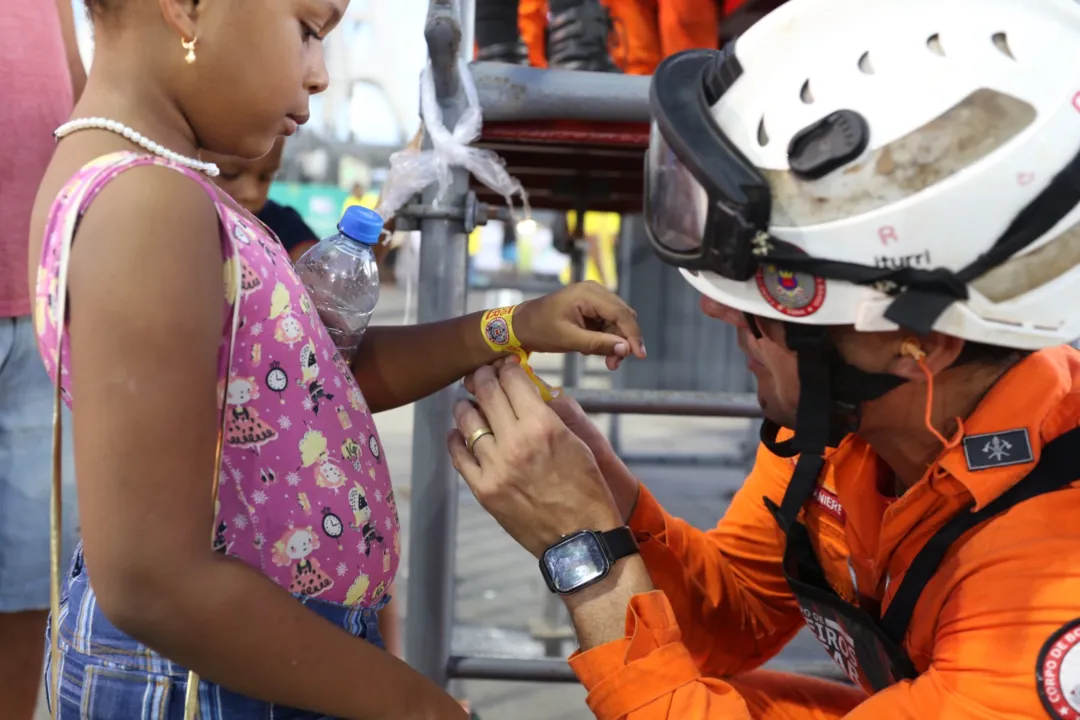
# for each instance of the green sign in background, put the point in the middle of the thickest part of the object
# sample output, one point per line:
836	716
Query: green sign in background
319	205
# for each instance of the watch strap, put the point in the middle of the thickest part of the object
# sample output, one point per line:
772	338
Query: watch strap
620	542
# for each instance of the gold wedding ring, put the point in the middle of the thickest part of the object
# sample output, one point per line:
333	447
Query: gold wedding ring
471	442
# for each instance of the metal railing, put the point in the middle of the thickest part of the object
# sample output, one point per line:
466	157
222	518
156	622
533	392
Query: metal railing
506	93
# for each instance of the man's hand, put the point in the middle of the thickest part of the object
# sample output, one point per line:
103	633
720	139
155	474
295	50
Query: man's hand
534	476
623	484
541	483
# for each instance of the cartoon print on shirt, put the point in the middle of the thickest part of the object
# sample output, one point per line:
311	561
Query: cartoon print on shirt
221	544
268	477
45	311
268	251
249	279
313	451
391	503
351	451
356	399
305	305
357	590
241	232
380	590
229	276
309	369
296	546
277	381
288	330
362	521
373	445
332	526
243	426
342	366
343	417
386	560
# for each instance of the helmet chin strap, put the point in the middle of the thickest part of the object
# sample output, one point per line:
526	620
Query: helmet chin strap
831	393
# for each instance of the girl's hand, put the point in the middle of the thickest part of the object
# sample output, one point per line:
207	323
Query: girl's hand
583	317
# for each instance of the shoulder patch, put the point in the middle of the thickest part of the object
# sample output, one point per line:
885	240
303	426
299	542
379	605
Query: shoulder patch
1057	673
1000	449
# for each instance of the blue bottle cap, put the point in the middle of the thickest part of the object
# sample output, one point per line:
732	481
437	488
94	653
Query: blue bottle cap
361	224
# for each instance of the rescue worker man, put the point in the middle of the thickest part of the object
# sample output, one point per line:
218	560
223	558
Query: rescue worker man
884	198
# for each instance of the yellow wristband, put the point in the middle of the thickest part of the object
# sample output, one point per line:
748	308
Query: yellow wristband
497	327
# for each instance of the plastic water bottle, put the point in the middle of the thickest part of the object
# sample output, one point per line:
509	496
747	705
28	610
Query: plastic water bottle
342	278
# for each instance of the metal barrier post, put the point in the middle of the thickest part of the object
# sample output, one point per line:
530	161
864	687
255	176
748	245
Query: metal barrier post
441	294
554	629
574	363
622	270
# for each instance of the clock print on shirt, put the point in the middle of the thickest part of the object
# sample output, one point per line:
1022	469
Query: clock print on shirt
373	445
331	524
277	380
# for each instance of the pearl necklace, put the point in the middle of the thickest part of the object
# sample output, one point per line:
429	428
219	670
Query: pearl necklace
100	123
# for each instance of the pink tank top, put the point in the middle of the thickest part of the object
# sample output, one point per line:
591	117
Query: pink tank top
305	492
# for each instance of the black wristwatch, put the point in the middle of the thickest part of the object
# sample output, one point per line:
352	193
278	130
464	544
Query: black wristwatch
579	560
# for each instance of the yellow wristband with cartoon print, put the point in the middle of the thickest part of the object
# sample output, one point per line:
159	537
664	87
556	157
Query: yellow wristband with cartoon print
497	327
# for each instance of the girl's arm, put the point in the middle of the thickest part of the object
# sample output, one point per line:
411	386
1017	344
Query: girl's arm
146	306
397	365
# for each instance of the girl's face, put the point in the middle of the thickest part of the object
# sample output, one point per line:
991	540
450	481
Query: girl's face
258	64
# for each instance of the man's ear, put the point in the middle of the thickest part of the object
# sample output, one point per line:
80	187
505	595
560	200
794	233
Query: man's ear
936	351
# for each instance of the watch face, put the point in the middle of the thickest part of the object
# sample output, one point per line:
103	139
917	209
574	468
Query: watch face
575	562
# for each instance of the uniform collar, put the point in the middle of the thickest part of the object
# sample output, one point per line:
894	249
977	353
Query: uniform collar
1003	438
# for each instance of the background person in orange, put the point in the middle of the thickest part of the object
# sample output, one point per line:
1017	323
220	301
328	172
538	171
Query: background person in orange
642	32
565	34
628	35
922	517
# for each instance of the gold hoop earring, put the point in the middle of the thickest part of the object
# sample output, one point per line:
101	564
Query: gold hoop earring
189	45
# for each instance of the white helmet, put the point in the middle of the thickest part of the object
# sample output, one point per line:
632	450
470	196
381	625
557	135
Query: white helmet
850	162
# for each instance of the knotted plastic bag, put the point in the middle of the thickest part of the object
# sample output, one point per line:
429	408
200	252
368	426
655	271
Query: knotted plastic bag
413	170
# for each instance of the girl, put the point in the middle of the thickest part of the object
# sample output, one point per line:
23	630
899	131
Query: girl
277	614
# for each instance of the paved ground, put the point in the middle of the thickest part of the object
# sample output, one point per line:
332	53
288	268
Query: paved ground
499	591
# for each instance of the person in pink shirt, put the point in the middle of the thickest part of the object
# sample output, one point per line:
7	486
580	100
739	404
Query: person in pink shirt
43	74
195	361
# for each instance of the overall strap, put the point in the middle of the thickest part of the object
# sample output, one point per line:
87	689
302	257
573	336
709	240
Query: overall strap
1057	468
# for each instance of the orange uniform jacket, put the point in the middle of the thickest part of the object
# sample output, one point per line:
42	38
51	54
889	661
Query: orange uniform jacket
645	31
722	606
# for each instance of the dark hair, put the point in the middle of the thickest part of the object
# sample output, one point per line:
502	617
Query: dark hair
983	354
